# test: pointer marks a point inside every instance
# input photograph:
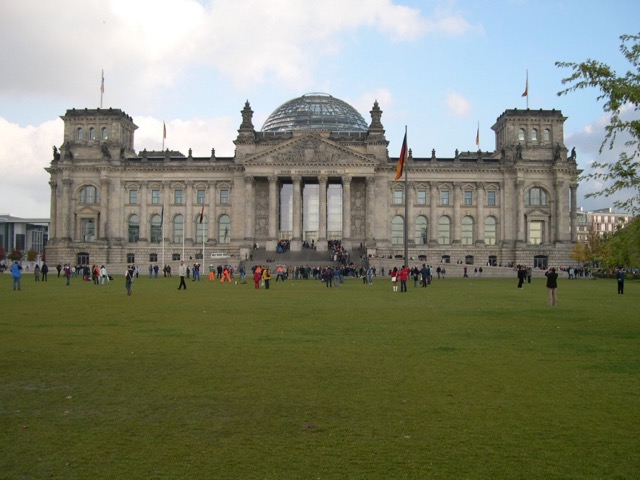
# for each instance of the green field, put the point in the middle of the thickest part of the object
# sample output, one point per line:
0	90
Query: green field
467	379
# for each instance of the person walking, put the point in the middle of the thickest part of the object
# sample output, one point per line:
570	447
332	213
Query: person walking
620	274
128	278
36	273
552	286
182	272
45	272
104	275
16	274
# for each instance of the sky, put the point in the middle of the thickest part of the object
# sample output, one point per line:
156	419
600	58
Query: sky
444	69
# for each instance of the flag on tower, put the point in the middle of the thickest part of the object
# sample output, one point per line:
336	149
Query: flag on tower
202	214
102	83
162	216
478	135
164	130
402	159
526	87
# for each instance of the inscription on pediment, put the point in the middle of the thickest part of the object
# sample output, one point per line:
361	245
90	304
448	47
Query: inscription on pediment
311	150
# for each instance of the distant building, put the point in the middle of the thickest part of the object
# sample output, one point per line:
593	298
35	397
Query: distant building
23	234
315	173
602	221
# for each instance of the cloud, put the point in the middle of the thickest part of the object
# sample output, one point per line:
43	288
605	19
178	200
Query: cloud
587	143
457	104
24	154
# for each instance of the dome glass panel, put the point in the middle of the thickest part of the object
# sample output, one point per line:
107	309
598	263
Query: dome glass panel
315	111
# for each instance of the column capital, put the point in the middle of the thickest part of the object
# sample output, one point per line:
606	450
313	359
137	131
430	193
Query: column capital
272	179
249	179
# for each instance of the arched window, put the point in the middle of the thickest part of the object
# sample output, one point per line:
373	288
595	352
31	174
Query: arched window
79	134
88	195
444	230
490	231
105	133
547	135
421	236
92	133
536	196
467	231
534	135
178	229
224	229
134	229
397	230
201	229
521	135
156	229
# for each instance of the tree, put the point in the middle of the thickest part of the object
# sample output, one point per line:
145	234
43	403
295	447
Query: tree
32	255
15	255
622	248
619	93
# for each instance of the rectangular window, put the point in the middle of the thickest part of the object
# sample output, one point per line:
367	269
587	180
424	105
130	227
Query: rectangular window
421	197
131	258
175	257
468	198
535	233
444	197
177	196
491	198
200	196
133	197
224	196
398	197
153	257
88	230
155	197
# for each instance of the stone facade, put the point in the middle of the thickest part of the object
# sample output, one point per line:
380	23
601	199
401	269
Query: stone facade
111	205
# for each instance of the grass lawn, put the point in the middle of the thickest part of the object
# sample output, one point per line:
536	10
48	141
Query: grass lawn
467	379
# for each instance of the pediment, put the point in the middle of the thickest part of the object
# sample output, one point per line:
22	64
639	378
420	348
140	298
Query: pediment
310	150
537	214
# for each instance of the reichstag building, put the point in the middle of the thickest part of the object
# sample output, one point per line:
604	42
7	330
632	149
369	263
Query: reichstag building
315	172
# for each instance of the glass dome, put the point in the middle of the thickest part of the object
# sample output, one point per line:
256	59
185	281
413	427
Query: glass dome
315	111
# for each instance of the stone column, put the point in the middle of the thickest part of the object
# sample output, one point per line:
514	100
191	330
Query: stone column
114	211
346	212
296	241
273	208
54	226
189	223
433	223
144	200
67	186
409	196
103	216
167	224
520	220
370	215
457	200
574	212
322	234
212	220
561	230
478	235
249	209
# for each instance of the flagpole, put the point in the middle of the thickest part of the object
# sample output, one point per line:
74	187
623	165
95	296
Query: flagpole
406	203
102	88
162	233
